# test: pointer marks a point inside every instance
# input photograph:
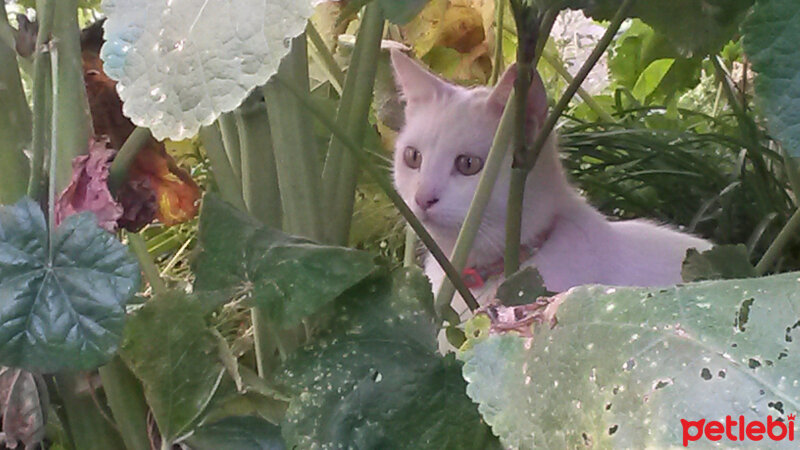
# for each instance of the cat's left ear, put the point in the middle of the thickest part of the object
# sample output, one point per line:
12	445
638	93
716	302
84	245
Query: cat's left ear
537	96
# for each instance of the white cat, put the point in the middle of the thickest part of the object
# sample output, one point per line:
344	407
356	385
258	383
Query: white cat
437	164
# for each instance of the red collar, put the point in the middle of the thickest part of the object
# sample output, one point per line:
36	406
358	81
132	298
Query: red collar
475	277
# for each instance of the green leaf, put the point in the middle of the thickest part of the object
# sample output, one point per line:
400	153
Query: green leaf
397	12
622	366
240	433
171	350
651	77
694	27
522	288
181	66
60	309
771	35
290	278
375	381
725	262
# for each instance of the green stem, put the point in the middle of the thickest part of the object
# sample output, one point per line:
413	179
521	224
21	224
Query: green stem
550	123
340	174
786	235
87	426
325	58
410	252
296	157
553	61
792	174
42	97
472	223
260	190
230	138
387	188
149	268
500	12
118	172
514	220
126	400
229	186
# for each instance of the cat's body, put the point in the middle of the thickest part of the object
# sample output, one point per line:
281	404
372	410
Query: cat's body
447	136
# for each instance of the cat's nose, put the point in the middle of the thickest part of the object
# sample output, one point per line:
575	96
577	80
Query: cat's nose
425	201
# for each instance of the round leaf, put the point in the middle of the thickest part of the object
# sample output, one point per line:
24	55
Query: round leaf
65	309
181	64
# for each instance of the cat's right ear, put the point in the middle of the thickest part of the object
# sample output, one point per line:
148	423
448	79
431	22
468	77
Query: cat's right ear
416	83
537	96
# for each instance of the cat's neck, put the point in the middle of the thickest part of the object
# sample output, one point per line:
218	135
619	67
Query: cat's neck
549	199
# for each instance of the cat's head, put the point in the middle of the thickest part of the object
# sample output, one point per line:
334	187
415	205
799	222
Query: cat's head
441	150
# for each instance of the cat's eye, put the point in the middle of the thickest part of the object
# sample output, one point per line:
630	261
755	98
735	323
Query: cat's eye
469	165
412	157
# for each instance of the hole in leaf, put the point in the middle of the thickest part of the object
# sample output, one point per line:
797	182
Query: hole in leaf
777	406
613	430
377	377
788	336
706	374
616	390
743	314
783	354
587	440
721	374
661	384
629	365
608	406
753	363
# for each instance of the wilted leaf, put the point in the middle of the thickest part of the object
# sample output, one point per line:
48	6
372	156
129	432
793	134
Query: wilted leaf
725	262
240	433
61	308
23	402
88	188
771	35
289	277
622	366
376	381
171	350
181	65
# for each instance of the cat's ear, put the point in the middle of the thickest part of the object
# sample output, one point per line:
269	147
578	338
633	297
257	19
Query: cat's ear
537	96
417	83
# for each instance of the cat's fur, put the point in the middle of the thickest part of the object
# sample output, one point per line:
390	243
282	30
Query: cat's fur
580	246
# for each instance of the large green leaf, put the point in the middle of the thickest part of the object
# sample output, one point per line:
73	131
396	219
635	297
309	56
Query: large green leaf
694	27
770	40
622	366
60	308
171	350
240	433
180	66
376	382
290	277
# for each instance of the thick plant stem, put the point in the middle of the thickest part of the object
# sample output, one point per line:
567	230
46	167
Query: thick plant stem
15	121
340	173
296	157
514	220
410	252
89	429
784	238
229	186
230	137
71	119
42	98
149	268
118	172
472	223
386	187
126	401
260	190
499	18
